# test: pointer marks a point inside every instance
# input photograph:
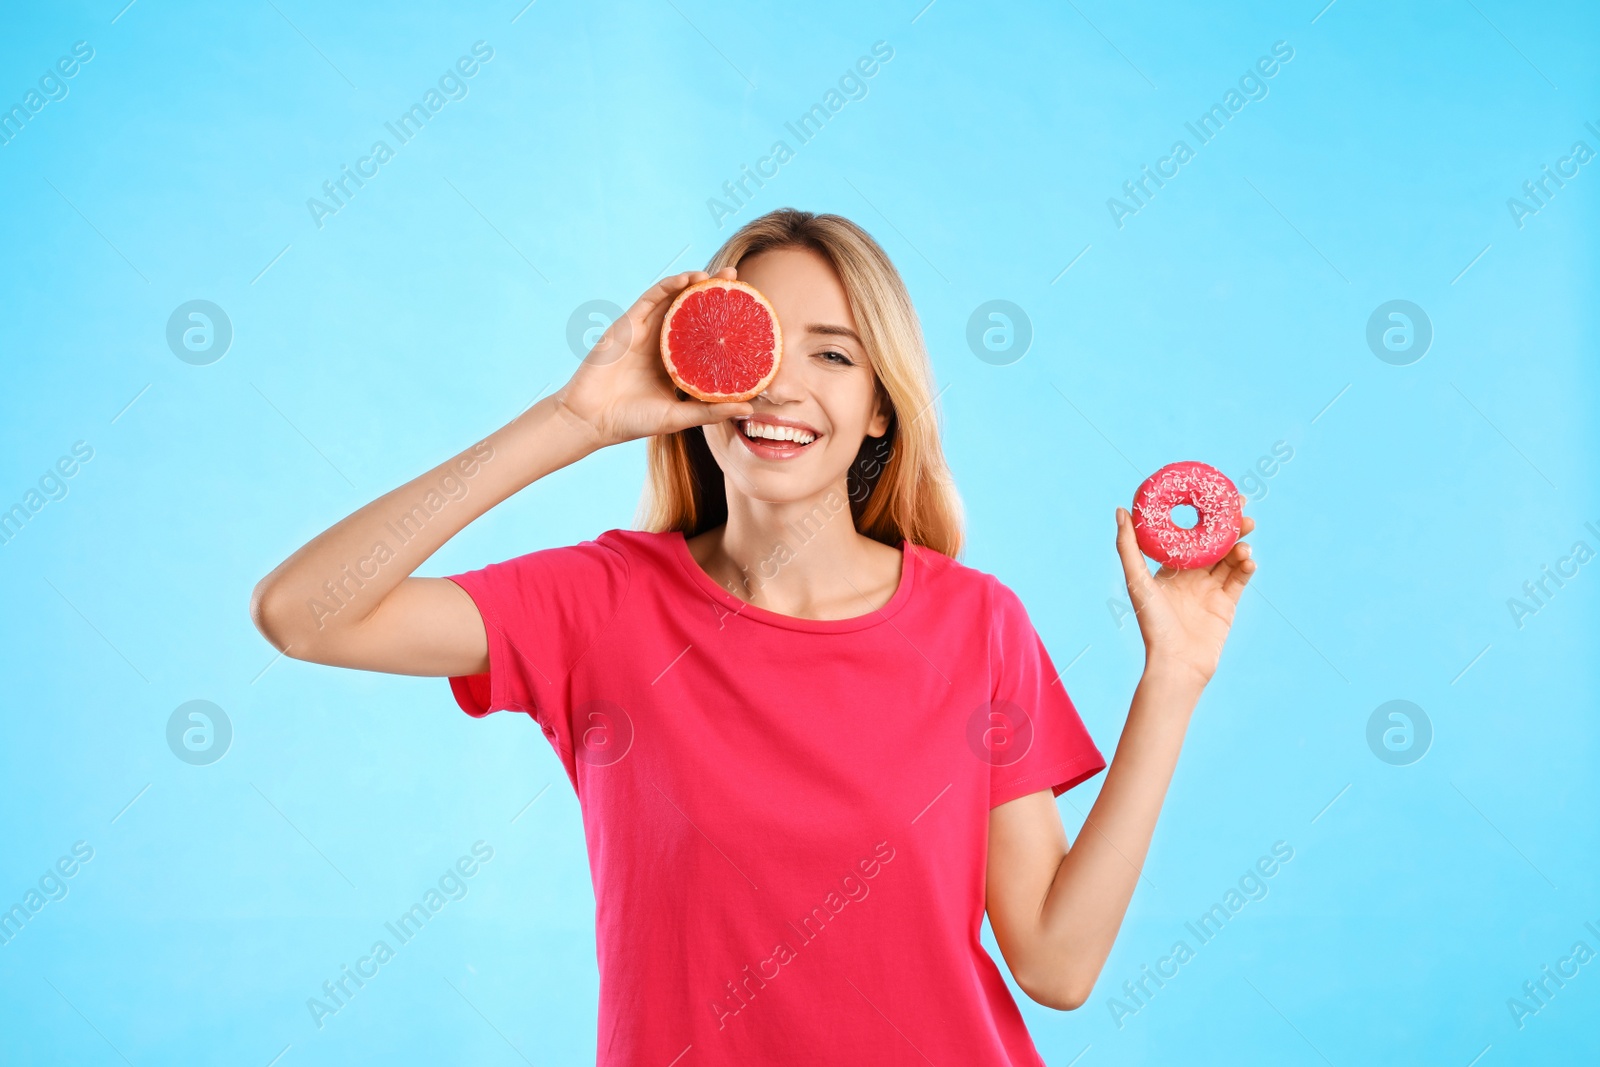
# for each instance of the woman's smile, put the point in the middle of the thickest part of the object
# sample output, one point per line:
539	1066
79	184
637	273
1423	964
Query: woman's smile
775	438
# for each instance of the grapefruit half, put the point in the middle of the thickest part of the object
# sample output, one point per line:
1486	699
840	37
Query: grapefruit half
721	341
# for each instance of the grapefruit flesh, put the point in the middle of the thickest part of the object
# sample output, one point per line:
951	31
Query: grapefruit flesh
720	341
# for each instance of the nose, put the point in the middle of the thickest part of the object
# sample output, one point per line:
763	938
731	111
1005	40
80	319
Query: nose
788	385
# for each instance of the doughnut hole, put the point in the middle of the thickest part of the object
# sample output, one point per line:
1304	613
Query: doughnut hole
1185	516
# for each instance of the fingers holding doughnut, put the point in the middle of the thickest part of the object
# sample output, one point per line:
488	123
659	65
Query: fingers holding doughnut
1235	571
1237	579
1228	566
1236	567
1238	554
1134	568
1128	545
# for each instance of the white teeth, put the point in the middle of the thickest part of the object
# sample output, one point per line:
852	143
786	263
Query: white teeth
776	433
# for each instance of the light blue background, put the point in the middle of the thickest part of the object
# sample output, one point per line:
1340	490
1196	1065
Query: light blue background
1221	319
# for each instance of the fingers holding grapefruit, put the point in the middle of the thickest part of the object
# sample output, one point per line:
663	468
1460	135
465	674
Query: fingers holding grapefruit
720	341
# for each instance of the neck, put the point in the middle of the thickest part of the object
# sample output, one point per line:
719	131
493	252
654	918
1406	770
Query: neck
787	552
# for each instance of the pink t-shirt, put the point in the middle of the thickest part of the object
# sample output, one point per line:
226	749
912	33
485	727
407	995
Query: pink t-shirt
787	819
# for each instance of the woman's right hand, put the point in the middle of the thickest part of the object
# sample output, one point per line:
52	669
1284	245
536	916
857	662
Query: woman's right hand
622	391
314	606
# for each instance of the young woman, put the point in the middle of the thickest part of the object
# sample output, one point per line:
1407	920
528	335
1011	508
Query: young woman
811	749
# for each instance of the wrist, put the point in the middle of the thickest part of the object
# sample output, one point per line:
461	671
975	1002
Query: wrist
540	441
578	435
1174	676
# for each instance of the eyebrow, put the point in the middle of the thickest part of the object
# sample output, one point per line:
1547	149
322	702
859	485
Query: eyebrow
833	331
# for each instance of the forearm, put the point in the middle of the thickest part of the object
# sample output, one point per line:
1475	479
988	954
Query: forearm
410	524
1056	909
1088	898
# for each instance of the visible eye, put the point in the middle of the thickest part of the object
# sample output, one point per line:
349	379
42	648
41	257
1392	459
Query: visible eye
837	358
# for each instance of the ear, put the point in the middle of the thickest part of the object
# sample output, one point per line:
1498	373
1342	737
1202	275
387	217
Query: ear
878	425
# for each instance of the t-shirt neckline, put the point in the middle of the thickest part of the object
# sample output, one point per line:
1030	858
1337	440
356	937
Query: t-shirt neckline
705	583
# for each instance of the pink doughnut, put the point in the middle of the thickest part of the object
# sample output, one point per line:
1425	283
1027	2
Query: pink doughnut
1203	488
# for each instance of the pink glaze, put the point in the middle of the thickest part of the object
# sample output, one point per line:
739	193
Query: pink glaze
1203	488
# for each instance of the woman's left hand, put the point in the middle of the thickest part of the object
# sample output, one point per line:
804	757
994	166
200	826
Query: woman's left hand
1184	616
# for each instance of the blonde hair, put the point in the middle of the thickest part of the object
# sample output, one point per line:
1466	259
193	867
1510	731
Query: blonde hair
908	493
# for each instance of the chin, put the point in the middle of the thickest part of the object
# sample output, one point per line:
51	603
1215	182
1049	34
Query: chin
778	487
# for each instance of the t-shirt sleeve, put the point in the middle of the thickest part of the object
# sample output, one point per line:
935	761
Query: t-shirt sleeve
541	612
1036	739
